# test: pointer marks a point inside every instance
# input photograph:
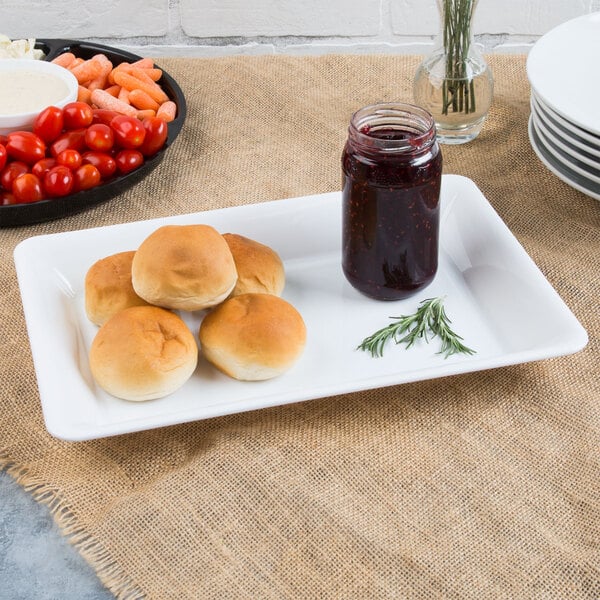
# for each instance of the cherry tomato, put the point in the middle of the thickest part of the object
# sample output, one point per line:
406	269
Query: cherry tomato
129	160
7	198
103	115
10	172
99	137
70	139
25	146
77	115
3	156
156	135
86	177
69	158
42	166
48	125
58	181
27	188
105	163
3	139
129	131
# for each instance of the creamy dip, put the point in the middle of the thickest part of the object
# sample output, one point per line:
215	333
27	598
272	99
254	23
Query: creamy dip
29	91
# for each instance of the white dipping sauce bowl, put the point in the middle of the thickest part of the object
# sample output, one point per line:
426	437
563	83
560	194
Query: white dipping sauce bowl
24	121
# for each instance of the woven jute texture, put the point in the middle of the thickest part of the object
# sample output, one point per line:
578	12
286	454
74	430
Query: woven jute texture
485	485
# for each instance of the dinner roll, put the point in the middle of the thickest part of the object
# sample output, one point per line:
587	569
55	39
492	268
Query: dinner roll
253	336
185	267
142	353
259	267
108	287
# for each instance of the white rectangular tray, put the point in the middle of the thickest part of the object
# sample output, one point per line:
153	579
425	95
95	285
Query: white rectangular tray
496	297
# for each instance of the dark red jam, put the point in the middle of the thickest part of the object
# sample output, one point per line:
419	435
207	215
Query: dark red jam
392	169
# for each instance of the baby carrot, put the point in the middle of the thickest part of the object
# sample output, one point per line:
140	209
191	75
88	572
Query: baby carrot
142	100
76	62
131	83
145	74
64	59
102	59
144	114
143	63
123	95
113	90
167	111
87	70
139	74
101	79
84	94
119	67
104	100
97	83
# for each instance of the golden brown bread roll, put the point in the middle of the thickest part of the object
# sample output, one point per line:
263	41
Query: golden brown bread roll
252	337
259	268
185	267
108	287
142	353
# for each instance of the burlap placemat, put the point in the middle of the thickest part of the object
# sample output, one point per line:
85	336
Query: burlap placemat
483	485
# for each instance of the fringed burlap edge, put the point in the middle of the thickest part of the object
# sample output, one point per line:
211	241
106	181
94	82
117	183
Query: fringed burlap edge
106	568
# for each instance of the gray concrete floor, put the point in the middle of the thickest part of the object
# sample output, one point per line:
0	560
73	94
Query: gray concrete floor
36	561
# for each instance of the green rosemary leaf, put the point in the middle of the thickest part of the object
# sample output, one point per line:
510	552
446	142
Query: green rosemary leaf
429	321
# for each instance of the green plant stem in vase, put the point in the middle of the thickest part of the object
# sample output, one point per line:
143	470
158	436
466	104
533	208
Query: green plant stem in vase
454	83
458	90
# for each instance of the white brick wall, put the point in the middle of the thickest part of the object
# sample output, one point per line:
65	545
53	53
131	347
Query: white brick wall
218	27
274	18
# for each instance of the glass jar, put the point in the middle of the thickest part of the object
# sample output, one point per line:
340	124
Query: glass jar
391	179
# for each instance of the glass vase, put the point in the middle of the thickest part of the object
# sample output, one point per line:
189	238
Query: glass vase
454	83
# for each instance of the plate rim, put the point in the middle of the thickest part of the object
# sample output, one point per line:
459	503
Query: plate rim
576	146
562	146
557	170
563	158
540	47
571	129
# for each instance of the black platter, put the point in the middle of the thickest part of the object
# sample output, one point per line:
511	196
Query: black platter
46	210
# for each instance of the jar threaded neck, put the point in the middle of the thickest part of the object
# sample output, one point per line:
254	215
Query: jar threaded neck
392	127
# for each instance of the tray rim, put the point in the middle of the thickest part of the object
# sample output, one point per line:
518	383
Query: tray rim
34	312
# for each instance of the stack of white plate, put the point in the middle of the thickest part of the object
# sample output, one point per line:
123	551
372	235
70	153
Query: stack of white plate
563	69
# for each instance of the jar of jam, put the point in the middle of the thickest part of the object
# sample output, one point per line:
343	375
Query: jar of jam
392	171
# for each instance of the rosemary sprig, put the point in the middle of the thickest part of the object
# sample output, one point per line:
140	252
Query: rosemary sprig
429	321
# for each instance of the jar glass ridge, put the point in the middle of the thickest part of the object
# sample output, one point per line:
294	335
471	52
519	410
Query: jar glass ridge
367	121
391	174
